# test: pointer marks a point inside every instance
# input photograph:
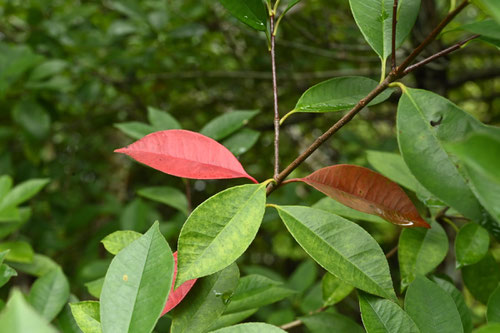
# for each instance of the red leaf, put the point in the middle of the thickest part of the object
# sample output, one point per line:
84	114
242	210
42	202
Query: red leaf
177	295
186	154
367	191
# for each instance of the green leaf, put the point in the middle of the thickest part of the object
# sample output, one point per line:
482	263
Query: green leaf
231	319
255	291
334	289
94	287
135	129
471	244
23	192
137	216
493	312
40	265
5	185
119	240
481	155
436	314
47	69
137	284
384	316
487	28
490	7
162	120
324	322
241	141
167	195
490	328
250	328
312	299
251	12
87	316
340	246
459	300
426	122
304	276
333	206
32	117
15	60
6	272
482	278
338	94
65	321
19	317
49	293
19	251
9	214
226	124
421	250
374	19
219	230
206	302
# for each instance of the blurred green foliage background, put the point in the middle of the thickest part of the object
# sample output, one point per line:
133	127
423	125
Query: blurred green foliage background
70	70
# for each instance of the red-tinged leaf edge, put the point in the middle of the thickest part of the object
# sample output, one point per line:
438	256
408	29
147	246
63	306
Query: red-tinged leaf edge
367	191
177	295
186	154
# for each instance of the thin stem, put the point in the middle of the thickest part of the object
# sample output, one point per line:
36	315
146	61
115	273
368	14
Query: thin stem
434	33
391	252
393	76
439	54
187	184
394	24
276	110
453	3
383	69
299	322
451	223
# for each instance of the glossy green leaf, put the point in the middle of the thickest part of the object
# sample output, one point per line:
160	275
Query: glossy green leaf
167	195
219	230
40	265
226	124
426	122
436	314
206	302
137	284
250	328
324	322
65	320
338	94
333	206
487	28
374	19
383	316
231	319
342	247
161	120
490	328
334	289
6	272
251	12
19	317
420	251
241	141
255	291
493	312
118	240
490	7
87	316
50	293
471	244
458	298
23	192
19	251
94	287
135	129
481	155
482	278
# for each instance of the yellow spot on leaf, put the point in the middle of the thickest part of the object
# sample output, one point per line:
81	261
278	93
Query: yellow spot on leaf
125	277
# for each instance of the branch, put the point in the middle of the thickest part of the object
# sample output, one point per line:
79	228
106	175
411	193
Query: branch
393	76
439	54
299	322
394	23
275	94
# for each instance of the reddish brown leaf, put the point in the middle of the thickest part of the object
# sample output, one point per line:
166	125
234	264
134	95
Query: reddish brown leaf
177	295
367	191
186	154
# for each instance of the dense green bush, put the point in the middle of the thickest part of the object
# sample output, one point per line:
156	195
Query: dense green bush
195	83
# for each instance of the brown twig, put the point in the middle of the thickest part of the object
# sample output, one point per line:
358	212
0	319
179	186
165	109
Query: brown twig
391	252
439	54
394	75
275	94
299	322
394	24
